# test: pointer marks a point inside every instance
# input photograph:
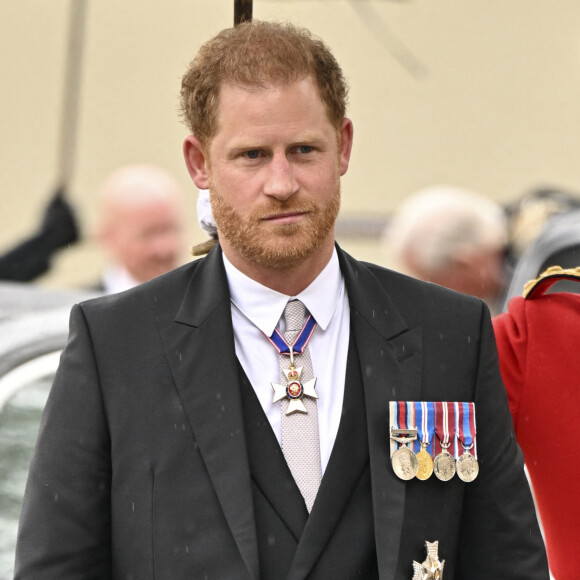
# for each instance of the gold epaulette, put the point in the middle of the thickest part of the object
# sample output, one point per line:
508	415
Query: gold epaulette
549	277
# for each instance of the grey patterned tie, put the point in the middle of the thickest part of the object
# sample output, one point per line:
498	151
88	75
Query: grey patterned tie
300	436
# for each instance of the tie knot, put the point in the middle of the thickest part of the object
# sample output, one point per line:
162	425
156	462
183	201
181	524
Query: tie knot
294	315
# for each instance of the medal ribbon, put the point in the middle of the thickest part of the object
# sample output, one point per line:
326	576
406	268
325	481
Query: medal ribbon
473	428
444	418
395	421
301	341
393	414
424	416
466	425
419	425
411	423
404	417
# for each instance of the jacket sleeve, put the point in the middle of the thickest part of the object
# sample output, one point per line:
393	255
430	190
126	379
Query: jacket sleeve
500	536
512	339
64	528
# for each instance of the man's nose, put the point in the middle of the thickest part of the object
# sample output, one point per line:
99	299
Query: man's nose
281	181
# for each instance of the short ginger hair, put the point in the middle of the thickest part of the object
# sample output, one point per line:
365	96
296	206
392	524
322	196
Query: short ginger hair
258	54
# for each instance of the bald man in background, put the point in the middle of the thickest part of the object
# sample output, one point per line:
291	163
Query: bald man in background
140	227
453	237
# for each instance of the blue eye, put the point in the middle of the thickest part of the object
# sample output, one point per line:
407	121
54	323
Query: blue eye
253	154
305	148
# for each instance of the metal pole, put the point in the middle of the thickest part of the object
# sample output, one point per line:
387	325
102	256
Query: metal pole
242	11
70	105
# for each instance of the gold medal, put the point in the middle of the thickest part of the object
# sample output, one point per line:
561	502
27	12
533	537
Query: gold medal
444	465
425	463
467	466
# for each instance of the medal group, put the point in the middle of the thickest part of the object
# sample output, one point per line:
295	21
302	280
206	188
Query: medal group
433	437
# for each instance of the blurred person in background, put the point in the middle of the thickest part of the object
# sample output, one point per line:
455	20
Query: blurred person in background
528	216
452	237
140	227
556	244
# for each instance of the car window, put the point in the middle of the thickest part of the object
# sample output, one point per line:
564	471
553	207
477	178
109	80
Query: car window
23	394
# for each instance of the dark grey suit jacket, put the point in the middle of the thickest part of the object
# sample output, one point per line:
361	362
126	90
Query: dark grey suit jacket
141	469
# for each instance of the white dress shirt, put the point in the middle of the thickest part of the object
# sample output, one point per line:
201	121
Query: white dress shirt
117	279
257	311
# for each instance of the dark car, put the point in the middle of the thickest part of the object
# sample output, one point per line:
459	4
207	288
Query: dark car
33	332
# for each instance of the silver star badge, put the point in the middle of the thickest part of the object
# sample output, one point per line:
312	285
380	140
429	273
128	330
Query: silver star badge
431	568
295	390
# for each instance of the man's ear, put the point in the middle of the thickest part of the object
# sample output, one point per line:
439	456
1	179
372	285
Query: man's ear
345	145
196	162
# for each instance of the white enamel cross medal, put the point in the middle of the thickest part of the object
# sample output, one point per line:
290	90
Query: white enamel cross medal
295	388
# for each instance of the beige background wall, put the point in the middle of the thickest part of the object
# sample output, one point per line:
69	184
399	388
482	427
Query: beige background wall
479	93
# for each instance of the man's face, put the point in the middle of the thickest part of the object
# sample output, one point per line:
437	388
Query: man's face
147	239
274	170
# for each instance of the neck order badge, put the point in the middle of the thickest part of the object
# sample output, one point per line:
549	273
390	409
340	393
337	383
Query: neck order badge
294	389
299	412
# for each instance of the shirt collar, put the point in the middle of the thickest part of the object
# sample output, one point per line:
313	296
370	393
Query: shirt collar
264	307
117	279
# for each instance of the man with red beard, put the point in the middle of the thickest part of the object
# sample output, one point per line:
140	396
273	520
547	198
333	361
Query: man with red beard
231	419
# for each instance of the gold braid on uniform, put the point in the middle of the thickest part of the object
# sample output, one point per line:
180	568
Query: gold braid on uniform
549	277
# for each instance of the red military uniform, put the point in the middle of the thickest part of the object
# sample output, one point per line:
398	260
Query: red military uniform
539	350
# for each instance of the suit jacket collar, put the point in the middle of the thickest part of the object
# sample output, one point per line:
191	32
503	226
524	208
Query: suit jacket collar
200	348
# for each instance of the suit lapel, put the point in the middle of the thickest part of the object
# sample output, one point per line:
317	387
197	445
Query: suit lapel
347	462
390	361
200	349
